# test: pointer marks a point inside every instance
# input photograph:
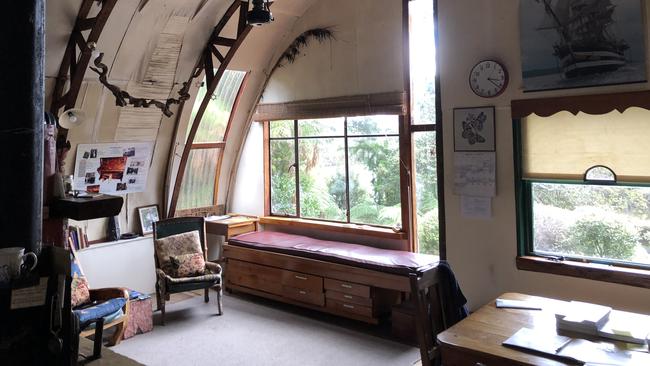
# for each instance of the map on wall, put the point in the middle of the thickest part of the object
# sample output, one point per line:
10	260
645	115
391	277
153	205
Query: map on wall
112	168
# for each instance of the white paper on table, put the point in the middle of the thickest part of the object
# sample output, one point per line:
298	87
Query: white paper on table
475	174
476	207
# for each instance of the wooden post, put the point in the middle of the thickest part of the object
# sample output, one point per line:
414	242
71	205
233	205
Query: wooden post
22	25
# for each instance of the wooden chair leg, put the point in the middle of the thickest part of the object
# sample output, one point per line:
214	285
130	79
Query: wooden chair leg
421	321
206	295
97	345
119	333
219	296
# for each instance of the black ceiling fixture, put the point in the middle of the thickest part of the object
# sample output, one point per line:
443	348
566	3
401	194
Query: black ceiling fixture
260	14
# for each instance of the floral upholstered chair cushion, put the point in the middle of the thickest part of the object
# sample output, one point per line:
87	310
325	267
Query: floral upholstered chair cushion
79	288
177	254
187	265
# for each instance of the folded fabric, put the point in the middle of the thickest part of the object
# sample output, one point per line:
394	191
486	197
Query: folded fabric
99	310
187	265
109	318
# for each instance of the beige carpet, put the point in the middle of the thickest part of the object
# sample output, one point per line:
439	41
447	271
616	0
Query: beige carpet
253	331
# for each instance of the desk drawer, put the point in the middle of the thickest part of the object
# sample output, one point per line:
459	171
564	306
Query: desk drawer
302	281
241	229
343	297
347	287
309	297
347	307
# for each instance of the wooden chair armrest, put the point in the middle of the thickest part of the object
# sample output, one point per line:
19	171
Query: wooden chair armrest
102	294
161	274
213	267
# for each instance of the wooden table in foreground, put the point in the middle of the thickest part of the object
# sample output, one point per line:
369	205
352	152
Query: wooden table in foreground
477	339
234	225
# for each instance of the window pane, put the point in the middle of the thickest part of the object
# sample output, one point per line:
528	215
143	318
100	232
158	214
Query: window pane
373	125
283	178
322	178
423	61
197	188
281	129
611	222
426	192
321	127
215	119
374	180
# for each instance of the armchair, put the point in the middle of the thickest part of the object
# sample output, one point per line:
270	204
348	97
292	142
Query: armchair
97	309
168	283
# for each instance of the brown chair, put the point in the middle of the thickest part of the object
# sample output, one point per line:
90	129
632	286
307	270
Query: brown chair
165	283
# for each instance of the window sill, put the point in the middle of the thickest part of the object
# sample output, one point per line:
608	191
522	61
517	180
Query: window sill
377	232
597	272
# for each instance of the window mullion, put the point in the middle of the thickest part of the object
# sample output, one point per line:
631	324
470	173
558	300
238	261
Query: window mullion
296	162
347	170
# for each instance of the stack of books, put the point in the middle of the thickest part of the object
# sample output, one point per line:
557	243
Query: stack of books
77	238
583	318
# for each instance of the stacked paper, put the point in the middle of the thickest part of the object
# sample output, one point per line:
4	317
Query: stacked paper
583	317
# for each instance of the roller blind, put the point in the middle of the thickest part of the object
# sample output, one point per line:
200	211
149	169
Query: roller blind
564	146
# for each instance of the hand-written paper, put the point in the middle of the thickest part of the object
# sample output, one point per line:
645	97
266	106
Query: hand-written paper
475	174
29	296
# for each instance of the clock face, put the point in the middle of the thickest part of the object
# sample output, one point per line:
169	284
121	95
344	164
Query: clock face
488	79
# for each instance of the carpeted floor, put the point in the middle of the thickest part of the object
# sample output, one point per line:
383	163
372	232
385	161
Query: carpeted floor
253	331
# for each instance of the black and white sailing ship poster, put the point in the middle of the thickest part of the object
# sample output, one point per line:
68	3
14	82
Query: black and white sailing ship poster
581	43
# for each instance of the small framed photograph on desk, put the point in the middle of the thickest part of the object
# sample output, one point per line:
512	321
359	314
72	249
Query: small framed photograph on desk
148	215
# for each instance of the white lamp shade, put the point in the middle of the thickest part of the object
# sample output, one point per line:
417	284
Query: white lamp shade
72	118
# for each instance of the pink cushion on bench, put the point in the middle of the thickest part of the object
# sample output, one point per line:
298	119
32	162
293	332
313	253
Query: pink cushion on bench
384	260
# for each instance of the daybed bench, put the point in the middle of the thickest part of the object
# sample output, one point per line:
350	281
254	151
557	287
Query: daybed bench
344	279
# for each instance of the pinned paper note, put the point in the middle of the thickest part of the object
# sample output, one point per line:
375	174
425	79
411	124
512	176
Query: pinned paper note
30	296
476	207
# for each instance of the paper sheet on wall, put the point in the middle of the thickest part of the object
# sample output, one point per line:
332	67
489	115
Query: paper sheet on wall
112	168
475	174
476	207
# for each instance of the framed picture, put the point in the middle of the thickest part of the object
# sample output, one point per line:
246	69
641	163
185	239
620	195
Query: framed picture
148	215
474	129
581	43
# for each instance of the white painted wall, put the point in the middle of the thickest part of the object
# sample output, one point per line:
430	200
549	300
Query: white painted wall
248	193
127	263
482	253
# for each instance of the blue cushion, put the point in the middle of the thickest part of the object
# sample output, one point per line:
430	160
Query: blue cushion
100	310
109	318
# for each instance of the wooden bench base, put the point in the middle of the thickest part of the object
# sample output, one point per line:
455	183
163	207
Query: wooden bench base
343	290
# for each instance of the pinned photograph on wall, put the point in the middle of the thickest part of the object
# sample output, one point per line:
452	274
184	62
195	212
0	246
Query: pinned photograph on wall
581	43
474	129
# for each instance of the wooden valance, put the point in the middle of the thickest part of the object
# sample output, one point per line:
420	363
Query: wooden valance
590	104
358	105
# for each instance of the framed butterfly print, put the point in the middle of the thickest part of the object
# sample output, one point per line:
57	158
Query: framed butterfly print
474	129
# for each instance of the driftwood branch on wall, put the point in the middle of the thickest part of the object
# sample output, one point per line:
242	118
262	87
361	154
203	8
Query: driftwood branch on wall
123	98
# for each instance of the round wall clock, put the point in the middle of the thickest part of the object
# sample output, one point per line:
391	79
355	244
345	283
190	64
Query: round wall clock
488	79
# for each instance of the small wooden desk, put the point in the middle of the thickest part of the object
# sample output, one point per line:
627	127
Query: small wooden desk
234	225
477	339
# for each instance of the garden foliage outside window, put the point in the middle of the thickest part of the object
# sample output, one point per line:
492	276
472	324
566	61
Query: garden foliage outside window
564	211
337	169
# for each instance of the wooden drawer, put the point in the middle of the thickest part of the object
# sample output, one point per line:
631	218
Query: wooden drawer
347	287
254	276
346	307
241	229
343	297
306	296
302	281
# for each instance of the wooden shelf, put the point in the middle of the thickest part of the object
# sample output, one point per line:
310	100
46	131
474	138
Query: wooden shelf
86	208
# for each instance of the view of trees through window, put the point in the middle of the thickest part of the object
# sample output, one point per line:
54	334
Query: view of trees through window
337	169
423	112
595	221
197	186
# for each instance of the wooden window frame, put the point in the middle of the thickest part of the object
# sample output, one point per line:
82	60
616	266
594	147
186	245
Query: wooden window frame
527	259
296	138
219	145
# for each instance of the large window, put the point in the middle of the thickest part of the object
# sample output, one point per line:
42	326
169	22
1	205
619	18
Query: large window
584	187
199	184
423	125
336	169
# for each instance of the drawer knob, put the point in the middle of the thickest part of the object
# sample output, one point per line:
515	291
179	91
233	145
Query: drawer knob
303	278
347	296
479	364
348	306
345	285
302	292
